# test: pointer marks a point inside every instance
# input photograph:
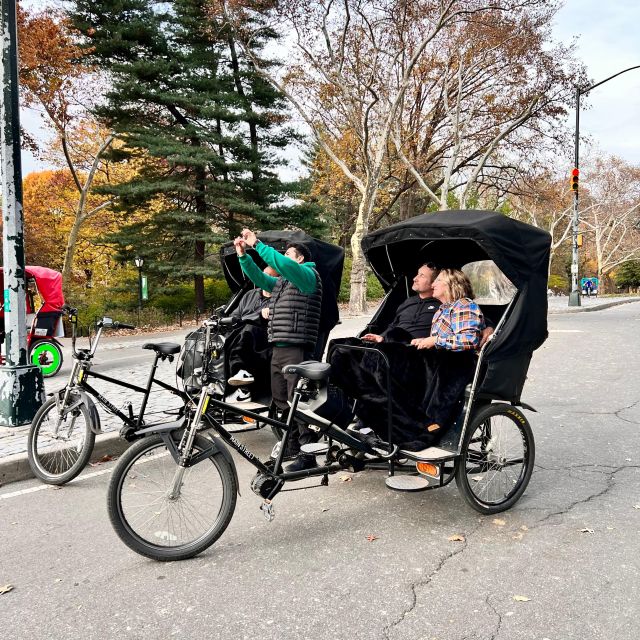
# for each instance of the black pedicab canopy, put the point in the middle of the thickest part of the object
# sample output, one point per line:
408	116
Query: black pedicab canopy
329	260
456	238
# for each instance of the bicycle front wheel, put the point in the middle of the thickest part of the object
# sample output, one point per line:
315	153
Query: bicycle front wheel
59	447
165	512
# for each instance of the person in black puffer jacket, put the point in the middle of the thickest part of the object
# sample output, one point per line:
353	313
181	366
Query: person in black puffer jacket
294	320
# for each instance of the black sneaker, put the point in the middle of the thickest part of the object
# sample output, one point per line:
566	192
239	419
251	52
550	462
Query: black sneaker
302	462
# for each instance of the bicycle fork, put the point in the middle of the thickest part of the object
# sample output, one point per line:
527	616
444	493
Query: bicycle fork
186	443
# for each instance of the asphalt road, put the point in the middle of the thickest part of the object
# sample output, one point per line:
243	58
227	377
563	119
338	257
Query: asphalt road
563	564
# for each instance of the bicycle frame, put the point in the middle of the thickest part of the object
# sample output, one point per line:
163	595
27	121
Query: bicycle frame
82	371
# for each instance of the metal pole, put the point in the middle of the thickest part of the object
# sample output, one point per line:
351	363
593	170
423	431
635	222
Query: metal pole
139	293
21	384
574	296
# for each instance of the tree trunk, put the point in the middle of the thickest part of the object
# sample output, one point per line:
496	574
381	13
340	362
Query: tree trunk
70	250
358	294
198	280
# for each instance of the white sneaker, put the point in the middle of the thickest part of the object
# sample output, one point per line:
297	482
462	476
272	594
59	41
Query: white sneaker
241	378
239	395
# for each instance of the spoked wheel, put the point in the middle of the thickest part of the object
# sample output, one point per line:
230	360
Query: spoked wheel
496	460
58	448
46	355
165	512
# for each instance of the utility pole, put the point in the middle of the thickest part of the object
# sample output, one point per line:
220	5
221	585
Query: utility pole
574	296
21	384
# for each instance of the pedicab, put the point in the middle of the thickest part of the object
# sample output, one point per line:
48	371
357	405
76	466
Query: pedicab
225	327
187	464
44	300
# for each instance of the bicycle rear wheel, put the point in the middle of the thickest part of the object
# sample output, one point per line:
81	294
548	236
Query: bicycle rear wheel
497	459
48	356
58	448
164	518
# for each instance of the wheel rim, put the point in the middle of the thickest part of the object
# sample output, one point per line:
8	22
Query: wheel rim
496	461
48	357
55	453
152	516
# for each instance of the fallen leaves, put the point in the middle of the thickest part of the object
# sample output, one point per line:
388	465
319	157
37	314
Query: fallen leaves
371	537
345	478
5	588
636	506
456	537
585	530
105	458
499	522
521	598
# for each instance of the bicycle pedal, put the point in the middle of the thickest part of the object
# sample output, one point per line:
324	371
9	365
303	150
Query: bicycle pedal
268	511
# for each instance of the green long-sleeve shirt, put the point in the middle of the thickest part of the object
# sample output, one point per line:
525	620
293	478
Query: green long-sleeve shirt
301	275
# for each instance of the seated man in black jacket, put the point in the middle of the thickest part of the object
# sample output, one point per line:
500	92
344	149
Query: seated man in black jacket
250	344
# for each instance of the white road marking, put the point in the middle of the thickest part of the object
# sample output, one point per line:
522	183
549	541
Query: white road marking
566	331
41	487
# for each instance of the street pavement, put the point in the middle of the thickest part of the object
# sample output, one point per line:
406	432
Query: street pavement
356	561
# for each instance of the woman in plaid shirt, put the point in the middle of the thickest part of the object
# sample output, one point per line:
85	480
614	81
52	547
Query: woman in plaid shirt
458	323
457	327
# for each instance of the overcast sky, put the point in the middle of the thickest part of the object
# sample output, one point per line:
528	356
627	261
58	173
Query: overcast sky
608	42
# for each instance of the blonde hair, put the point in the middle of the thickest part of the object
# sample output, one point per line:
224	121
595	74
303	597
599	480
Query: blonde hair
457	284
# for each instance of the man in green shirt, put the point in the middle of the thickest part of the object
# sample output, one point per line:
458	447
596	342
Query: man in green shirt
294	320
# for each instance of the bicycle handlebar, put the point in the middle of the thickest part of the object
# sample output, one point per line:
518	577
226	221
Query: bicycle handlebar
122	325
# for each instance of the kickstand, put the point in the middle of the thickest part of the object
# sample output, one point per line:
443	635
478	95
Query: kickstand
325	480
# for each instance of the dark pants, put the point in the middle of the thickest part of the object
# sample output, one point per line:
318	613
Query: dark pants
250	342
282	387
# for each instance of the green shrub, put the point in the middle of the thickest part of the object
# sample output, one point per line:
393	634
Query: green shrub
558	283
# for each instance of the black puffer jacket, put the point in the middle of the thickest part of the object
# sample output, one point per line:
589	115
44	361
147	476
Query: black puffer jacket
294	317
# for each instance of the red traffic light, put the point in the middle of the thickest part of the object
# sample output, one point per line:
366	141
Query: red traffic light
575	173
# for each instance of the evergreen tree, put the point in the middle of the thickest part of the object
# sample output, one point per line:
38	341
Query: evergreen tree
204	127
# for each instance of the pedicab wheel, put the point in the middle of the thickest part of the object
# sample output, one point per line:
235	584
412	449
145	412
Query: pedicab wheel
58	448
496	459
46	355
162	516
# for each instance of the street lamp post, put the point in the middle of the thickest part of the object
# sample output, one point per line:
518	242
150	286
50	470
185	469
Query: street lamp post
574	297
139	261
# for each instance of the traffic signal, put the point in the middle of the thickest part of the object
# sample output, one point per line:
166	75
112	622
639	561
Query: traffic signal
575	175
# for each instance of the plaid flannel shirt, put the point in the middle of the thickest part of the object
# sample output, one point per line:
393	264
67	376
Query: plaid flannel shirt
457	325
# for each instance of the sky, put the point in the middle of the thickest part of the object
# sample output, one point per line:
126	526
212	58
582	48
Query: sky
607	43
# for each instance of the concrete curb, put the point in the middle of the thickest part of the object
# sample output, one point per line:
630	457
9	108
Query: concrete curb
16	467
599	307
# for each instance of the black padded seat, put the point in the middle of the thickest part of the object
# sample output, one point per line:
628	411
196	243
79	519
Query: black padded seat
163	348
310	369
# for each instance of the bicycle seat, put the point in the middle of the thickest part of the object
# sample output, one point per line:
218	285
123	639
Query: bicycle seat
163	348
310	369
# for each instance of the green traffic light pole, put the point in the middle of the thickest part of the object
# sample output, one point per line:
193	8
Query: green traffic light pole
574	296
21	384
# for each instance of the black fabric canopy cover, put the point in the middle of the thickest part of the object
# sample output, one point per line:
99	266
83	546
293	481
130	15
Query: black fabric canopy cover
455	238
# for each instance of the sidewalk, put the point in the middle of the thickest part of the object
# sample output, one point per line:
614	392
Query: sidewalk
13	441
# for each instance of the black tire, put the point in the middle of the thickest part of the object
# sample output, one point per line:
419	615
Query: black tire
206	502
47	355
496	460
60	458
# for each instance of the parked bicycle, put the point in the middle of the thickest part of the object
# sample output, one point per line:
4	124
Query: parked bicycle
63	431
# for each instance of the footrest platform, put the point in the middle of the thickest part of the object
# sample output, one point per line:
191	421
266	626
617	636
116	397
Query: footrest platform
430	454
